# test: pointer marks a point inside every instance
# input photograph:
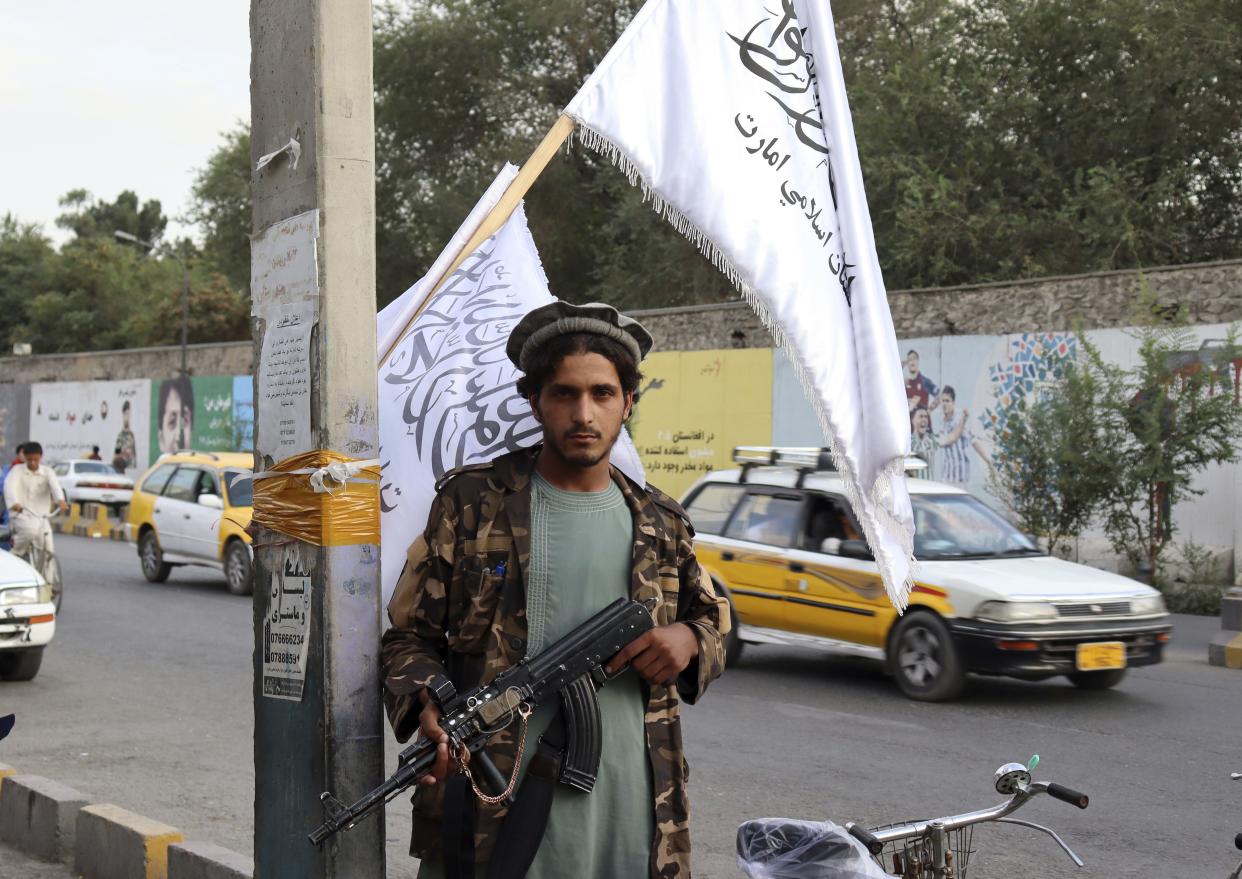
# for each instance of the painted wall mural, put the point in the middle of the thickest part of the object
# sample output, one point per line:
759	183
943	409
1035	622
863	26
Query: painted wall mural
69	419
695	407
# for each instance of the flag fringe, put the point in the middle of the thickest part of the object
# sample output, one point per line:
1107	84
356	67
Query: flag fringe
875	514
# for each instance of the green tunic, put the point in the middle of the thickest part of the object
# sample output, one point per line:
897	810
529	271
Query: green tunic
581	548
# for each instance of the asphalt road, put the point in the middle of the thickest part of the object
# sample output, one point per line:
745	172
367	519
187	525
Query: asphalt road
144	701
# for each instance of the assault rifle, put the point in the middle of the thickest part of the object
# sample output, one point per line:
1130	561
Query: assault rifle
572	668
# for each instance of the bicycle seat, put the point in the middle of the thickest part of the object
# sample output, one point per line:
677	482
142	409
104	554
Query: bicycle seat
785	848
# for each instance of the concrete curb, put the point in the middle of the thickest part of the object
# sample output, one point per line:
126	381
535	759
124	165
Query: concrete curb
203	860
91	520
1226	648
113	843
38	816
49	821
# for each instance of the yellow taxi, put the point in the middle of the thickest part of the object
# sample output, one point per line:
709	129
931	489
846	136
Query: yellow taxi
191	509
780	540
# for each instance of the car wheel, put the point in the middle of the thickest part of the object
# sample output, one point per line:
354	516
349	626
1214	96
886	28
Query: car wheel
154	568
1097	680
924	659
20	665
237	568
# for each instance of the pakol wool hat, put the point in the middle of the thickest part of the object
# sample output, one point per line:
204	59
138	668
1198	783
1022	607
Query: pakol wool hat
563	318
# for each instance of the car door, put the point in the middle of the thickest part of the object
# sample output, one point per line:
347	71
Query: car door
202	521
754	553
831	595
174	510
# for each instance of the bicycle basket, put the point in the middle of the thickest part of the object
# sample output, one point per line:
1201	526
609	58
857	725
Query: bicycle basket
785	848
907	857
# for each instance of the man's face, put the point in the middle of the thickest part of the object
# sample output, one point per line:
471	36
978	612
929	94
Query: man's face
920	421
582	409
912	365
33	459
125	418
175	425
946	403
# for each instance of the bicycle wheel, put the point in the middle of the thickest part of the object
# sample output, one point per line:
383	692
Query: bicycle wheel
51	573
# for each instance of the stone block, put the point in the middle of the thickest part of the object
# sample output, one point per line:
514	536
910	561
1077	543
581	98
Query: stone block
39	816
113	843
204	860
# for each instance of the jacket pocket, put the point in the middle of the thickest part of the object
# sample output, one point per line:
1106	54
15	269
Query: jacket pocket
477	582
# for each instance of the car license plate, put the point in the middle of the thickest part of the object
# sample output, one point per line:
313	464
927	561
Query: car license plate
1106	655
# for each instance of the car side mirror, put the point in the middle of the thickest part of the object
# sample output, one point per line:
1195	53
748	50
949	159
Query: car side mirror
856	549
214	501
831	545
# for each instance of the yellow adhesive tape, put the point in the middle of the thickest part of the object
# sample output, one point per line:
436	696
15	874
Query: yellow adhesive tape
344	514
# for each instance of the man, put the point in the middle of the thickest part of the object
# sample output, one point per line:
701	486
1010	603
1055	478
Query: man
515	554
118	460
176	414
94	455
125	439
956	440
32	487
923	443
920	390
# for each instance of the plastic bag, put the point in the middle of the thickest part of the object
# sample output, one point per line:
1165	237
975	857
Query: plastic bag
785	848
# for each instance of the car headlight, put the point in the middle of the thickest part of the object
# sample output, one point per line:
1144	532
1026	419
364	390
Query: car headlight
1148	604
20	595
1015	611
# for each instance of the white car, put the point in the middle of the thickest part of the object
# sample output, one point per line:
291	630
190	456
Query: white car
27	619
94	482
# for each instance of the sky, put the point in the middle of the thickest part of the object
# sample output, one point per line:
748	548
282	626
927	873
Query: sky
115	95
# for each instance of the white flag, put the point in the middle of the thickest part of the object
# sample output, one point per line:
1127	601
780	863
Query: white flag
447	392
732	115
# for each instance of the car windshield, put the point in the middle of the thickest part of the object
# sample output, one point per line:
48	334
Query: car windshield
91	467
241	494
953	526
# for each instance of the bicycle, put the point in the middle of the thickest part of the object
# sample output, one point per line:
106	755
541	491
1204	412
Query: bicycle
39	555
937	848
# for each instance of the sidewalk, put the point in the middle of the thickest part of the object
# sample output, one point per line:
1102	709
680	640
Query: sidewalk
15	865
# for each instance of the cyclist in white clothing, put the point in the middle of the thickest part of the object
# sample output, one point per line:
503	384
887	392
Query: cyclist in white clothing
34	488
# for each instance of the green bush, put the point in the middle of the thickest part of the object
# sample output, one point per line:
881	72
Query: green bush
1198	598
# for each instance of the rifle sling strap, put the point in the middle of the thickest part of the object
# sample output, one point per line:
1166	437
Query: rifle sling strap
522	830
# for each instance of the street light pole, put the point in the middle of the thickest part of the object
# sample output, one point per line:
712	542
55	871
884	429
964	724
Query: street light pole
185	289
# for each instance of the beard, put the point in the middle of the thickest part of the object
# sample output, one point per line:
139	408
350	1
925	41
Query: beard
577	456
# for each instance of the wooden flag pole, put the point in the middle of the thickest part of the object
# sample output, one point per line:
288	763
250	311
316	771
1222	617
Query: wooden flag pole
499	215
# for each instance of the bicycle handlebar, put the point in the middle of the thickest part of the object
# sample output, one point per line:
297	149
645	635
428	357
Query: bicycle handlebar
865	836
1068	795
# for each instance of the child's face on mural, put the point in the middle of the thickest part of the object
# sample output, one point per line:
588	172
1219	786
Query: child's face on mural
946	403
921	423
912	365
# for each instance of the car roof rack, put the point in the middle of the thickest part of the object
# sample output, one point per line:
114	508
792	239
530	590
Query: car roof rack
804	459
212	455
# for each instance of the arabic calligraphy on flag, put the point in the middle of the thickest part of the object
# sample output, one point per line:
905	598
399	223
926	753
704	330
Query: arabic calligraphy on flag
731	114
448	393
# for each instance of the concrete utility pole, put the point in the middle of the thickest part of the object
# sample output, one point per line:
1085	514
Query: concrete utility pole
311	81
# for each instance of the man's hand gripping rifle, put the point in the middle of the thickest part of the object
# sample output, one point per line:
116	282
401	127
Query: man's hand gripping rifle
572	668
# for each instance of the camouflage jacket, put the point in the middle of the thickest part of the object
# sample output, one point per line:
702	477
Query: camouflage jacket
453	614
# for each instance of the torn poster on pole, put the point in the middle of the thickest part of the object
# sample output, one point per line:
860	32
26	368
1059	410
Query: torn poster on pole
286	631
447	392
284	289
731	114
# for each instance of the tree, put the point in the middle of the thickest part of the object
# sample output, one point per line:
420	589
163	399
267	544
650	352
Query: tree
26	259
1162	423
1051	469
1004	139
88	218
221	207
